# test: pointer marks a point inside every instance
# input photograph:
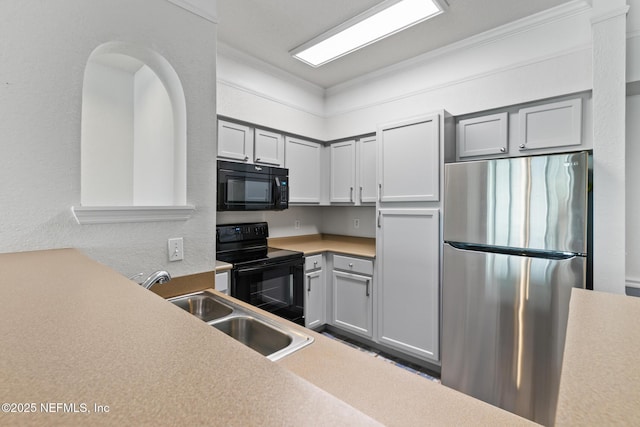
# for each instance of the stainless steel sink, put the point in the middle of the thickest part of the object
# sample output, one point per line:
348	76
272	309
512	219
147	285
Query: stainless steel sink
204	307
268	337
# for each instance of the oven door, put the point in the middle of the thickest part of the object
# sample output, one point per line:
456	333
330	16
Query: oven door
276	287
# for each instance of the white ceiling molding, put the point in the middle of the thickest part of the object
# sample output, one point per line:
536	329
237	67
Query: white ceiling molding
610	14
560	12
304	96
203	8
480	76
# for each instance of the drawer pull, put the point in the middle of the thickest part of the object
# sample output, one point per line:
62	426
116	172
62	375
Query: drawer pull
351	264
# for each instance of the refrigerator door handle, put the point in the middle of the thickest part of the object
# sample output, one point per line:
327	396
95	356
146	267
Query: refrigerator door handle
534	253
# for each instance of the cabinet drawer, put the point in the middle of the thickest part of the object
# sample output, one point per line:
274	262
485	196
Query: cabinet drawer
313	262
354	265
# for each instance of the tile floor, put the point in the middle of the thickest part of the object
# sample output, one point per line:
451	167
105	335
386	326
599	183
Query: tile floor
416	369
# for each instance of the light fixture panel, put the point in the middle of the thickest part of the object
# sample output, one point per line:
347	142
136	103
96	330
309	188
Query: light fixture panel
377	23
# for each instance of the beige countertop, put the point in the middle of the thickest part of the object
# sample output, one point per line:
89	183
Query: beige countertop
76	334
223	266
316	243
600	381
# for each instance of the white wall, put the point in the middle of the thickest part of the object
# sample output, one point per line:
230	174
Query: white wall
153	146
107	136
44	47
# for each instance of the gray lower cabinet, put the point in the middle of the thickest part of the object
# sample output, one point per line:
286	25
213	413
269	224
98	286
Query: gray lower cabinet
408	278
352	294
314	296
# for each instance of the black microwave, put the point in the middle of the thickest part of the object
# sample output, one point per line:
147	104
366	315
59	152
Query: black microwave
248	187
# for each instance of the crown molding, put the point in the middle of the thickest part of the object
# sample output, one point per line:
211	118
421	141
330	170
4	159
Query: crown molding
563	11
455	82
244	58
204	8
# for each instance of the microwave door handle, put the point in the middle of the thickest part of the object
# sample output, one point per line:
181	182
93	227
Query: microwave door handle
276	191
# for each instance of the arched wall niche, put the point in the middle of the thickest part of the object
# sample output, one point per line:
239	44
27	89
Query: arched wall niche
133	138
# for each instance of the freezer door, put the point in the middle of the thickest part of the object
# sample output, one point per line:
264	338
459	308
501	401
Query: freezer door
528	202
503	327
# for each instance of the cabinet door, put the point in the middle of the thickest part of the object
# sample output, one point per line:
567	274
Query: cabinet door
410	160
482	136
343	171
554	125
268	148
314	303
352	303
368	191
408	258
303	161
235	141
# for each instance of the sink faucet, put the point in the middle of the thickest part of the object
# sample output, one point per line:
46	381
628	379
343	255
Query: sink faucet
156	277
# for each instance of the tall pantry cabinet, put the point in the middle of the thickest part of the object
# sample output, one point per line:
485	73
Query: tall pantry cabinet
411	155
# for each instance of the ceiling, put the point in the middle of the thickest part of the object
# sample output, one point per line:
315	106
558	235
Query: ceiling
269	29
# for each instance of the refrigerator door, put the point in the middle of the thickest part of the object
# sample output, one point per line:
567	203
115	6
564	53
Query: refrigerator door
504	320
527	202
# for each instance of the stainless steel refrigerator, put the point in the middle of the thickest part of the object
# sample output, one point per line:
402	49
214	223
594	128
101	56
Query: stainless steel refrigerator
515	233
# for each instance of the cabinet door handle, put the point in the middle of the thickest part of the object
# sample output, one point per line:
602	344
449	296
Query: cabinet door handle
360	193
379	226
522	147
257	159
380	192
368	293
308	283
246	158
351	194
503	150
315	264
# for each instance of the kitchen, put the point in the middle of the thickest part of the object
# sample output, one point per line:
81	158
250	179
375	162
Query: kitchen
44	86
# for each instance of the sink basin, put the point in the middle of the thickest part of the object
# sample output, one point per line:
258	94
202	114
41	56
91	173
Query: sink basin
263	334
254	334
202	306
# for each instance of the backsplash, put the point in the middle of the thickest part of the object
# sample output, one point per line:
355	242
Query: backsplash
303	220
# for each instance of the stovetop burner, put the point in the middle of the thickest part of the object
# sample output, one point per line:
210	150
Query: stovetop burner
246	243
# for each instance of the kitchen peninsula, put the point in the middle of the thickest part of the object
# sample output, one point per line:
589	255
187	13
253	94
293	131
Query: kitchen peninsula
77	333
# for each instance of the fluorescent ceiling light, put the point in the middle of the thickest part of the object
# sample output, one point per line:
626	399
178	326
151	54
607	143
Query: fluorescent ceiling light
389	17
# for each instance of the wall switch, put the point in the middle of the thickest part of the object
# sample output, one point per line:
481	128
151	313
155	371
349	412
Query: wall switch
176	252
356	223
296	224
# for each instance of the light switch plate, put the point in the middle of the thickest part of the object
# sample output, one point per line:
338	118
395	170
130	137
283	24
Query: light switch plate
176	252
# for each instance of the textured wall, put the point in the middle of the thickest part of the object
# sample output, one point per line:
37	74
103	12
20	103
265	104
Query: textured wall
44	46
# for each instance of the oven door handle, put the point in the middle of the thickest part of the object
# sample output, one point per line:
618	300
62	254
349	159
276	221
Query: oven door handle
269	266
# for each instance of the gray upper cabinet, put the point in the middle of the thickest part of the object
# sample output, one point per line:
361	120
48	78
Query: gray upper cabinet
483	136
555	125
304	160
542	127
409	160
235	141
343	172
268	148
368	190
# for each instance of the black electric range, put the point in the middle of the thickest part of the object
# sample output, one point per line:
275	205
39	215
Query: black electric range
268	278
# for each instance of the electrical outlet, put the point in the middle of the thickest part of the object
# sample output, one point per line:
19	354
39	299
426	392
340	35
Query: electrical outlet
356	223
176	252
296	224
